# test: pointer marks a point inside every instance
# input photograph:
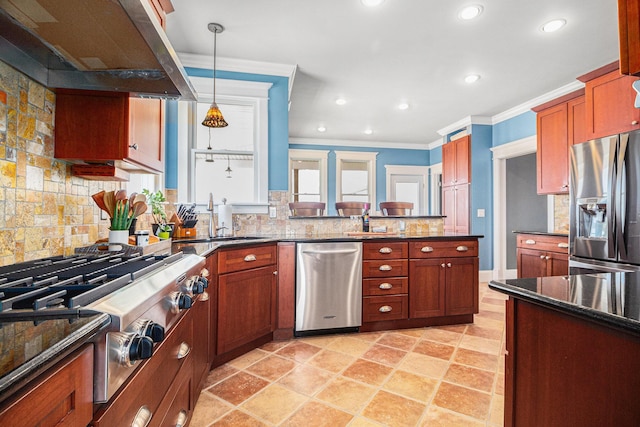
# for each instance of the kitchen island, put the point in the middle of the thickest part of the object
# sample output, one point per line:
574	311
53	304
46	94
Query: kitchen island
572	350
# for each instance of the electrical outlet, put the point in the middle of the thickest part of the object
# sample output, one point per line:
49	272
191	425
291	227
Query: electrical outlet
480	213
103	215
272	212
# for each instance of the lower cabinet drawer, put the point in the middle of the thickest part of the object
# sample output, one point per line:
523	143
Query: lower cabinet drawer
231	260
385	286
385	268
376	309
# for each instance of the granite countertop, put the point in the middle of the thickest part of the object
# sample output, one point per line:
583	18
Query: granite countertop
540	233
609	299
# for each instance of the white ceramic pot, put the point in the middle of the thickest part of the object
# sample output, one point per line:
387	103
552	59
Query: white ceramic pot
118	238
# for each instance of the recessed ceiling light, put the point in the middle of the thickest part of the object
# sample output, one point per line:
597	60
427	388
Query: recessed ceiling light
322	128
368	131
341	101
372	3
470	12
472	78
403	106
554	25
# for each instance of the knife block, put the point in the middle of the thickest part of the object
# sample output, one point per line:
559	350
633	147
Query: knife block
179	230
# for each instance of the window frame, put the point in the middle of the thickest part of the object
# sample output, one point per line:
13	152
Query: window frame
254	94
421	171
322	157
360	156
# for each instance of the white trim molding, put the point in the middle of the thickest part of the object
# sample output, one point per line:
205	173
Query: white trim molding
422	171
364	156
462	123
321	156
435	199
357	143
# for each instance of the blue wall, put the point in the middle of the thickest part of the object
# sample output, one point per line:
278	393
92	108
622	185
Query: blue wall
515	128
482	191
386	156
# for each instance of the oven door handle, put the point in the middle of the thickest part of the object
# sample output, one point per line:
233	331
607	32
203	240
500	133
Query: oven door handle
184	350
142	418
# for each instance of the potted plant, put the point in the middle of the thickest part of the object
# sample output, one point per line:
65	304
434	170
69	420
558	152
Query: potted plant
157	200
122	212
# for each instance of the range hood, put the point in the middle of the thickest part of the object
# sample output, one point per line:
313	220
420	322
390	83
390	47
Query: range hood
112	45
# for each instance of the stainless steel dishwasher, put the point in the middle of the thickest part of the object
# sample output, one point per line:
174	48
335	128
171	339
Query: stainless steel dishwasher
328	287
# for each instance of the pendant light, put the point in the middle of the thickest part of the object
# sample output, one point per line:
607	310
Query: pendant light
214	117
228	170
209	156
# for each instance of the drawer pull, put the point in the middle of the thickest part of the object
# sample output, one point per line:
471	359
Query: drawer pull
530	242
541	256
385	286
181	420
184	350
385	267
462	249
547	257
426	249
449	264
250	257
635	122
442	265
385	309
385	250
563	245
142	418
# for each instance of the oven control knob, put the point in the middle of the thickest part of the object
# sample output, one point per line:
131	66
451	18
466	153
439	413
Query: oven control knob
180	301
204	281
194	286
140	348
148	328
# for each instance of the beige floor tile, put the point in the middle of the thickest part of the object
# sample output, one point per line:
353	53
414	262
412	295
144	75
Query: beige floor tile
479	331
208	409
218	374
442	336
298	351
367	372
424	365
416	333
248	359
370	336
385	355
399	341
497	411
463	400
477	359
412	385
489	323
331	360
434	349
238	388
274	346
320	340
316	414
274	404
271	367
480	344
363	422
499	385
306	379
347	394
438	417
238	419
470	377
349	345
393	410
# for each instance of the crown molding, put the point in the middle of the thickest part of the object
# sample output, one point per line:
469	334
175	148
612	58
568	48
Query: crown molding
435	144
462	123
528	105
240	66
356	143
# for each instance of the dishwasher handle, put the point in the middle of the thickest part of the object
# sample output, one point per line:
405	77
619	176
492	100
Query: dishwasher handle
333	251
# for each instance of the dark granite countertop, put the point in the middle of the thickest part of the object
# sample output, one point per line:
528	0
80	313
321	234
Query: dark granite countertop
30	347
540	233
371	217
609	299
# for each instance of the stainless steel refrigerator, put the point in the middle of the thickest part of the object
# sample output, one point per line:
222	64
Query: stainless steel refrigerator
604	233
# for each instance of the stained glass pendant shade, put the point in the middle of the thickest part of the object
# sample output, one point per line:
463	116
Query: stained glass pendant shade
214	118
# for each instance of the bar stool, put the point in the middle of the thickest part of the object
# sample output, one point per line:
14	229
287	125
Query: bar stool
307	208
351	208
396	208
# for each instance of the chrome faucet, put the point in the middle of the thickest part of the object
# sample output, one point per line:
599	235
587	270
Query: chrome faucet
210	209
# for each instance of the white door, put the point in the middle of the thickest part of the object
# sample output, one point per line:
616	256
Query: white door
408	184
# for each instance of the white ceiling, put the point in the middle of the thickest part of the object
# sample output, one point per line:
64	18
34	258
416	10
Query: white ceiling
405	50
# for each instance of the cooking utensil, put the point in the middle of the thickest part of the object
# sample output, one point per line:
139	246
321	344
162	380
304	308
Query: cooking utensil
139	208
121	195
98	198
109	202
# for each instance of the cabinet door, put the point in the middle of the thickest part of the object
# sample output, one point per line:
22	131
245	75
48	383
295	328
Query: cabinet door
246	306
553	150
577	120
629	36
461	286
145	132
201	322
461	193
609	105
449	163
449	208
531	263
557	264
427	288
463	160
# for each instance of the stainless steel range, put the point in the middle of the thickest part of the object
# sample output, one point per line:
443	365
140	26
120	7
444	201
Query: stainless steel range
143	295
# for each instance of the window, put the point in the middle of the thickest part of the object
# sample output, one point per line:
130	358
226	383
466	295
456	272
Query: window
229	162
408	184
355	177
307	175
435	201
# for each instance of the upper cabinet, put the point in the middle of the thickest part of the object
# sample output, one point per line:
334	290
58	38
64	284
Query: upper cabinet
456	161
100	128
560	124
629	32
609	102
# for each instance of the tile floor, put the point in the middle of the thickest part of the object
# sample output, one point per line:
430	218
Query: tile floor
436	376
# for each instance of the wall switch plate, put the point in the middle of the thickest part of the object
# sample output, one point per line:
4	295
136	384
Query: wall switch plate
272	212
480	213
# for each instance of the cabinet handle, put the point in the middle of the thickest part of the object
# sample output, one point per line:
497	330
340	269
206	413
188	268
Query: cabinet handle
250	257
449	264
142	418
635	122
275	273
462	249
385	286
563	245
181	420
442	265
385	267
385	250
426	249
134	146
385	309
529	242
547	257
565	186
541	256
184	350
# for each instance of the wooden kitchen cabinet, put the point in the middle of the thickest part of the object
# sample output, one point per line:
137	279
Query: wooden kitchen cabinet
109	128
64	396
455	208
246	297
629	36
542	255
560	123
609	102
443	278
456	161
286	290
201	345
